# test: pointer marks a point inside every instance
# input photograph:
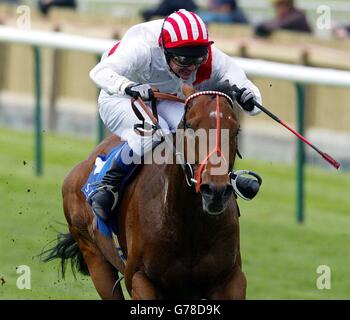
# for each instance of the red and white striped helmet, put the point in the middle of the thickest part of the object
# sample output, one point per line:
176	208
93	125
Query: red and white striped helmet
184	28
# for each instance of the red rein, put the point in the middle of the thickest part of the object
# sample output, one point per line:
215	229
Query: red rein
217	147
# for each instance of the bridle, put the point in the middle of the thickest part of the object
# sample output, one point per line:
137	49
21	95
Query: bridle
187	168
217	147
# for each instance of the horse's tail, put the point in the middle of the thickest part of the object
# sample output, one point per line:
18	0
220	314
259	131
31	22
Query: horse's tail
66	249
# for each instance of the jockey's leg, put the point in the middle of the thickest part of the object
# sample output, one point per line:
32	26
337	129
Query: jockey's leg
172	112
106	197
119	117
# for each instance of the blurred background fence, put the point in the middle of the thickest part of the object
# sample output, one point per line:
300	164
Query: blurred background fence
69	96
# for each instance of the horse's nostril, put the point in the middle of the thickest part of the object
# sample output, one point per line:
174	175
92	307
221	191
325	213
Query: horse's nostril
205	189
228	191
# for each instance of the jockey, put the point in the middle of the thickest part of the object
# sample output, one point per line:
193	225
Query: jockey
162	54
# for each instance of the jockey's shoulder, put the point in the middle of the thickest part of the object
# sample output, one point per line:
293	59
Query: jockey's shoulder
141	36
145	28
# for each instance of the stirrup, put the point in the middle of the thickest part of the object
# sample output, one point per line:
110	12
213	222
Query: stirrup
114	192
234	178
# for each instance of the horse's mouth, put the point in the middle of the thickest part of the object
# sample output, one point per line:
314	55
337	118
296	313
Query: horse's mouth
215	199
213	208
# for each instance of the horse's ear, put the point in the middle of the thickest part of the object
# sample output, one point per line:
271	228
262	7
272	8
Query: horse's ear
187	90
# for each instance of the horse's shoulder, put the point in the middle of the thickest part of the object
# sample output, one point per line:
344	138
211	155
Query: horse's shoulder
107	145
79	174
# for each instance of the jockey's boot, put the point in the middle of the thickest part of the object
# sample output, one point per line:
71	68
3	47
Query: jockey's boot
245	187
105	199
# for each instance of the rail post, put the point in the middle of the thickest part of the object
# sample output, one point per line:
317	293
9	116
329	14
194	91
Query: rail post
300	90
38	148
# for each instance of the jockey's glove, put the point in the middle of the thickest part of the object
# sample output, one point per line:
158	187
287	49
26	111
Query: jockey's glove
246	98
143	91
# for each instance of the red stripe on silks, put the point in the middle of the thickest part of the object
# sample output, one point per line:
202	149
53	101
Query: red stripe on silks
200	32
115	47
204	71
176	28
187	24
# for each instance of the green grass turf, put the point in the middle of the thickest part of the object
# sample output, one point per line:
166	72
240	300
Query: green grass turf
280	257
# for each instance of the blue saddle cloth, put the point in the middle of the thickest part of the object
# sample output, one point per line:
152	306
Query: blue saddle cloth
101	166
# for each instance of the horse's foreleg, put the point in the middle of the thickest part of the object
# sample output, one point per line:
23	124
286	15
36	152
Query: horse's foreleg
102	273
232	289
142	288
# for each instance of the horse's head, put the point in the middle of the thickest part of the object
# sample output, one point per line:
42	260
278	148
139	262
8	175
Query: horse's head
211	126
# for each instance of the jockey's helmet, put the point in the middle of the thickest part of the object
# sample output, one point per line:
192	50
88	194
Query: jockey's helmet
185	35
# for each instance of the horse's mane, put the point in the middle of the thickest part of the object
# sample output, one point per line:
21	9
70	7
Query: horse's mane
223	87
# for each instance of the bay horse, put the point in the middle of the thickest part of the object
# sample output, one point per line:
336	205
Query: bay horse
180	242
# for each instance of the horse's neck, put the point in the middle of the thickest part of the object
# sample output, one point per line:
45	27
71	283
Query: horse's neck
183	218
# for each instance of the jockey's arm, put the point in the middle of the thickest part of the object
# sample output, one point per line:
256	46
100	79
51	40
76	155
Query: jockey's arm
224	68
121	69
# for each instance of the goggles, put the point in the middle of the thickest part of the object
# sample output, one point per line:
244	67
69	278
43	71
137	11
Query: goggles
183	61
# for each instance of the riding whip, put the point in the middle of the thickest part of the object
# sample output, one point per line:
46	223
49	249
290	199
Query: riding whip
324	155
